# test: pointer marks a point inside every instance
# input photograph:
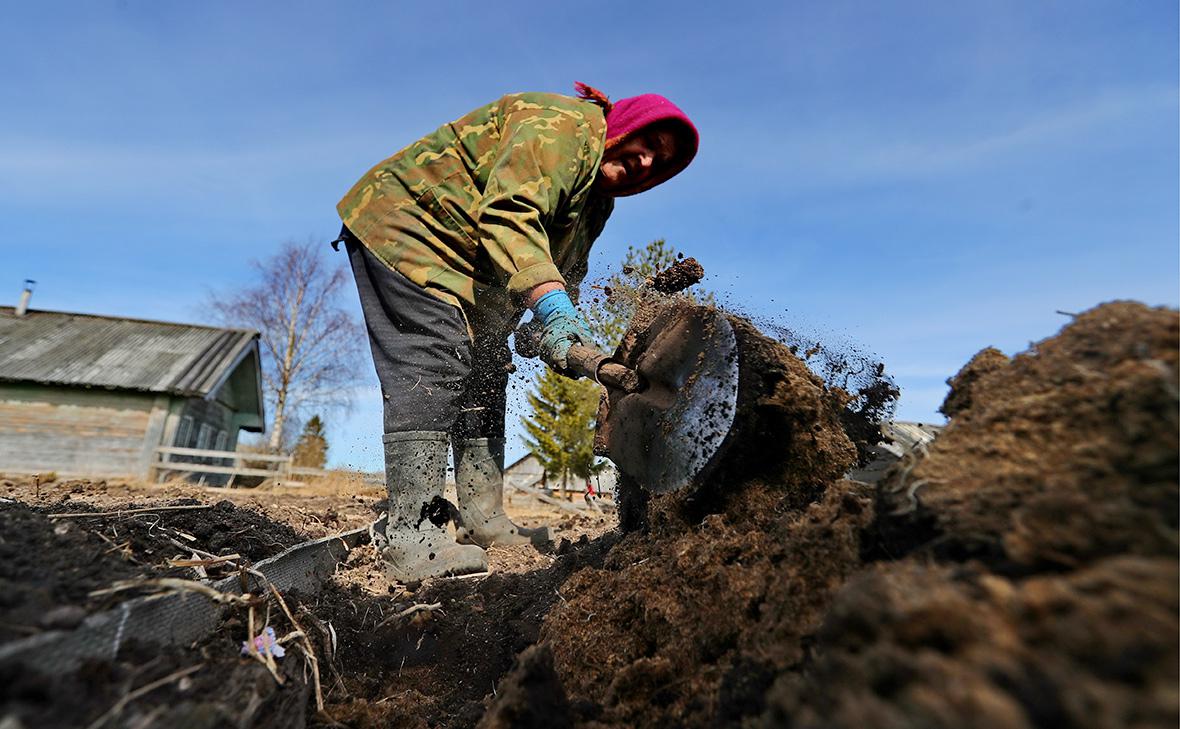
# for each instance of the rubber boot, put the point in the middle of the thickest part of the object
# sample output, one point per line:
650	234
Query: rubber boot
479	482
417	547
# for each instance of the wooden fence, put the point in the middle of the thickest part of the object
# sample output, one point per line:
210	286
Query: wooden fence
231	463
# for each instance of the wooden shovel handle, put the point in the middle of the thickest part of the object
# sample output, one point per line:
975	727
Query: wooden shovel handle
589	362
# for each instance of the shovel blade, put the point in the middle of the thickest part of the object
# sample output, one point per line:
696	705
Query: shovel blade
671	435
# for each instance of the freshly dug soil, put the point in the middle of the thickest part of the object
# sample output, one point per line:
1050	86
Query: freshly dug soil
691	623
225	690
436	667
787	429
49	567
1066	455
865	393
984	362
1020	572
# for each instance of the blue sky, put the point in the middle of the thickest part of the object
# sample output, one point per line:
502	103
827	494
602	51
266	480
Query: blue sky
921	179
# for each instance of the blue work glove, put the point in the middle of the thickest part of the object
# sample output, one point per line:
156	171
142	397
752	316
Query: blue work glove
561	327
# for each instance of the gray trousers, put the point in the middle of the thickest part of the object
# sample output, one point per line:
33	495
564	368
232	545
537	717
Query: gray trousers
433	376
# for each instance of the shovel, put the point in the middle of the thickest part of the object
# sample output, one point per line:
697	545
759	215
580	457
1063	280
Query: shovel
671	397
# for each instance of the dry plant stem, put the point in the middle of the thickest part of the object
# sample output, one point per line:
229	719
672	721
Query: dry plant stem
146	688
328	634
148	719
173	583
308	650
203	553
420	607
118	512
207	562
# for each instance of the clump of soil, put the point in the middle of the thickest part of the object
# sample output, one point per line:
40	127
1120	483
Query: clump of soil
787	427
534	695
679	276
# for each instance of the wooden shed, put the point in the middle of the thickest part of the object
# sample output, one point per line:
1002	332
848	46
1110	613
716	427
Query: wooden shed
85	395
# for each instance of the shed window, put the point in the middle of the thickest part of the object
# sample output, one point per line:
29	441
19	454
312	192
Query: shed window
204	436
219	444
184	431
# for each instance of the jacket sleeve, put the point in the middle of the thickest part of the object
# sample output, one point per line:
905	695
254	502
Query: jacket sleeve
543	158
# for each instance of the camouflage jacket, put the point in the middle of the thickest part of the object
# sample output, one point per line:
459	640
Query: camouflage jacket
490	205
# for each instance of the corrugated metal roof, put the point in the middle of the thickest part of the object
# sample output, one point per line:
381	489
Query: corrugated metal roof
127	354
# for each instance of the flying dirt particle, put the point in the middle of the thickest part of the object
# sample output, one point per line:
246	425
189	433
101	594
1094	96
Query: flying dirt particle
679	276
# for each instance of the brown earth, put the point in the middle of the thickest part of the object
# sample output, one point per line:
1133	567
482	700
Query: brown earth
224	690
679	276
315	510
49	567
48	570
1020	571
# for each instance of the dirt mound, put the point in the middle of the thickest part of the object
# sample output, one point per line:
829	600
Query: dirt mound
910	645
1067	454
1020	572
984	362
690	628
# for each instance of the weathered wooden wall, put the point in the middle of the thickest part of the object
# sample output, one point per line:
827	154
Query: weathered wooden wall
77	431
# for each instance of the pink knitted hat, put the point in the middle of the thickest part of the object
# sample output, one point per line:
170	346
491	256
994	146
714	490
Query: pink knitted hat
628	116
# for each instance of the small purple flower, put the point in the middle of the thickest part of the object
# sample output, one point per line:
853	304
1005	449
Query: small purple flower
265	643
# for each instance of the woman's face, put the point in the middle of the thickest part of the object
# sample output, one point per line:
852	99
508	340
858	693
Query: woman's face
629	165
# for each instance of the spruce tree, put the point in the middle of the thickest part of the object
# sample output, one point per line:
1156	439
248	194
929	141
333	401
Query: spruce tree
311	450
561	429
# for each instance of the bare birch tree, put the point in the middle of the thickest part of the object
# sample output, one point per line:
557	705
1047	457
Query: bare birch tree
311	347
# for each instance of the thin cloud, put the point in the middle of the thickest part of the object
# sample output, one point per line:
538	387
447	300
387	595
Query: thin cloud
838	157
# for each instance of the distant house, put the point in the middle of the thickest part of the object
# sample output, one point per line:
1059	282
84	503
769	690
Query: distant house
527	471
901	437
96	395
